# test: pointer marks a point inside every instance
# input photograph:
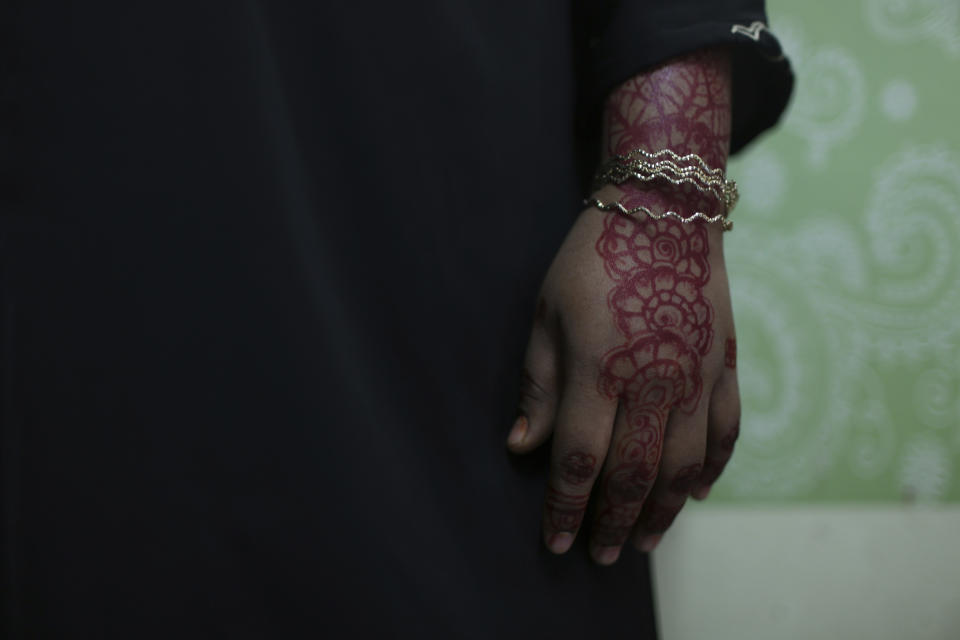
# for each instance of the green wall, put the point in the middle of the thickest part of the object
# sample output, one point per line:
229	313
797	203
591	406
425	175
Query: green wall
845	262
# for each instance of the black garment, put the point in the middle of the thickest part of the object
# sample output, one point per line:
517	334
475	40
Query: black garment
266	277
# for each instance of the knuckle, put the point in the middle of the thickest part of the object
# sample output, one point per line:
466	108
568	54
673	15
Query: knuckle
613	525
577	467
563	511
684	479
584	365
629	483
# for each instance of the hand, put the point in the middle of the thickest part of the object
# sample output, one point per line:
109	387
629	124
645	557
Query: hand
631	368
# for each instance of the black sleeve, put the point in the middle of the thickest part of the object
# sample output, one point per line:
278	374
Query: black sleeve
623	38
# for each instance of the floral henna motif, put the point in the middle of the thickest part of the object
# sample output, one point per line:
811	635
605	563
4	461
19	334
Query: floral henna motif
660	269
660	307
651	370
683	106
628	250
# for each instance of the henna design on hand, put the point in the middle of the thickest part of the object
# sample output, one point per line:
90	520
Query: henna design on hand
686	478
730	354
578	467
565	510
660	307
684	106
658	516
660	269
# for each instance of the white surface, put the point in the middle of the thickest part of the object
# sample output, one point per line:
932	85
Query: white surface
778	573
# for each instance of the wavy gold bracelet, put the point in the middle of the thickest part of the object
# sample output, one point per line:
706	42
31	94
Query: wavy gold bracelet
721	219
672	155
664	165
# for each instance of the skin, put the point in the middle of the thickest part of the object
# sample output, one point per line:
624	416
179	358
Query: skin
631	364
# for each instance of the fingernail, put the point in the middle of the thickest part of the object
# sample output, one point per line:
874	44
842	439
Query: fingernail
649	543
560	542
701	493
607	555
518	432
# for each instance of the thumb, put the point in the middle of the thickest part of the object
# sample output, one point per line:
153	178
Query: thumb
538	394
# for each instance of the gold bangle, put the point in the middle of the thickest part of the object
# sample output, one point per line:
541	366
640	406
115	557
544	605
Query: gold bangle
672	155
643	165
721	219
725	191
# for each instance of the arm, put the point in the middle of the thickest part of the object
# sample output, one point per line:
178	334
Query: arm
631	363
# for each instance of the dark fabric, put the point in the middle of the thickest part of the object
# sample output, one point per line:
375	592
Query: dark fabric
267	274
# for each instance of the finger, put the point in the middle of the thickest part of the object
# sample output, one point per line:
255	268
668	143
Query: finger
538	392
581	439
628	475
723	428
684	444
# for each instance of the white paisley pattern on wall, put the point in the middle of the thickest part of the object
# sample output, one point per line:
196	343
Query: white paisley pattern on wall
845	263
912	20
